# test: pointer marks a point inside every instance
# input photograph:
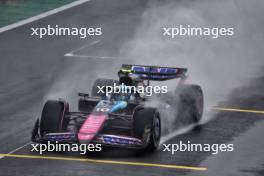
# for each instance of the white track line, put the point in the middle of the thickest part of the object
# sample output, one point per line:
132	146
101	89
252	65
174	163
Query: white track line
13	151
84	46
71	53
42	15
90	57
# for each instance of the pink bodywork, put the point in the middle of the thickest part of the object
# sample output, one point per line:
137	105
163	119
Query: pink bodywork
91	127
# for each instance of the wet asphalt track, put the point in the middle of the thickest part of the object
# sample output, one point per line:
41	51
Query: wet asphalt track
30	66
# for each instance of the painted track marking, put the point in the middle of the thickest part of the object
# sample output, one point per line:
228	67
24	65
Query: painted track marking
89	57
72	53
13	151
82	47
105	162
238	110
42	15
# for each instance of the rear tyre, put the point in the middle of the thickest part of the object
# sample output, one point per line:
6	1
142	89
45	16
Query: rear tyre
52	117
191	102
101	82
147	121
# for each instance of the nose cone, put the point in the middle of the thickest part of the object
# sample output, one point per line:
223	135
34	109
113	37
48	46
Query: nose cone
90	128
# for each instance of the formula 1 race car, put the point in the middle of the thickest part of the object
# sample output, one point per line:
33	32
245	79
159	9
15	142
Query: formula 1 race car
120	118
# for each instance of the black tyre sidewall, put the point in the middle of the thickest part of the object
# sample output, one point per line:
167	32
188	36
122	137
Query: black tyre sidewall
144	119
192	100
155	140
52	117
199	103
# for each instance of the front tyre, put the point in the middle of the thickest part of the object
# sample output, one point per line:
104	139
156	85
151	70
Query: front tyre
155	132
147	126
53	117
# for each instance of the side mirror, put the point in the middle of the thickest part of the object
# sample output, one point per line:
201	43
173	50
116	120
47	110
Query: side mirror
84	95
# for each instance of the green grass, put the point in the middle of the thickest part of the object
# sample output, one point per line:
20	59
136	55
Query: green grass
15	10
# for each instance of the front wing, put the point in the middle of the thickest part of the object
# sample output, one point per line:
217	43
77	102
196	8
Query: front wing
104	139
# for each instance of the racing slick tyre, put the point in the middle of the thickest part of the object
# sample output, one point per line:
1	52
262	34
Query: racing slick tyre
147	120
101	82
191	102
52	117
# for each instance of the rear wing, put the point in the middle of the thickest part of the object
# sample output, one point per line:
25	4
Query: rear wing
152	73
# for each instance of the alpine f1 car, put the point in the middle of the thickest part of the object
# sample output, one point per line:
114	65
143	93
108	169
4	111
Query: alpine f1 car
119	119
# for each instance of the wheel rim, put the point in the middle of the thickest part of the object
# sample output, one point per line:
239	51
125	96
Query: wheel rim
156	130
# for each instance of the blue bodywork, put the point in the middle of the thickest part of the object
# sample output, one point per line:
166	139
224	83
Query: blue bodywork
110	106
118	106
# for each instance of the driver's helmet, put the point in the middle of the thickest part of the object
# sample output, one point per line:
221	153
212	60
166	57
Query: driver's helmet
123	94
